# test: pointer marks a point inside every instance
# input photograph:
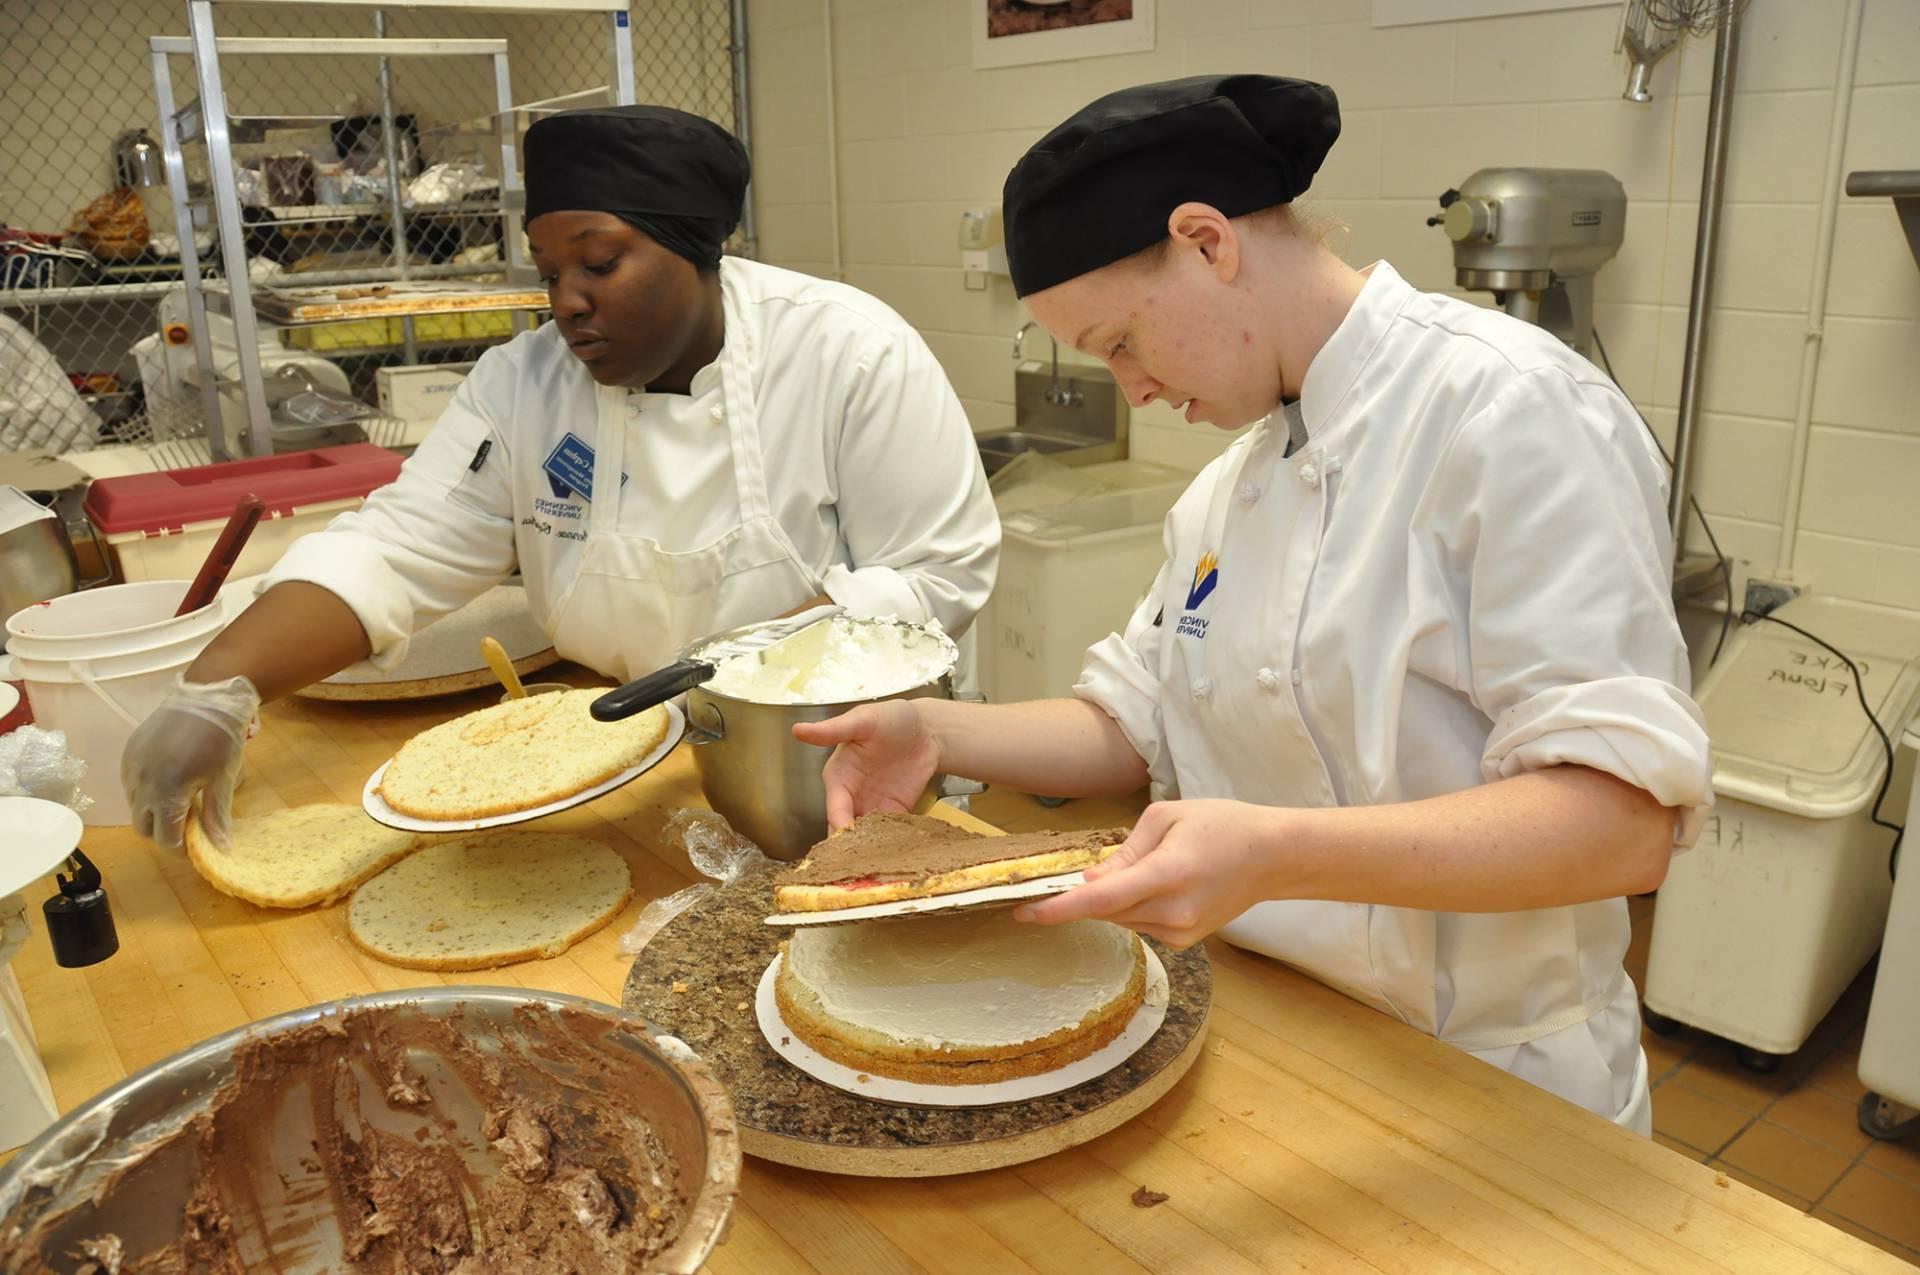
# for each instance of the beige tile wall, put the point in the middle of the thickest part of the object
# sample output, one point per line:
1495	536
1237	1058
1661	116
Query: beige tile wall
921	135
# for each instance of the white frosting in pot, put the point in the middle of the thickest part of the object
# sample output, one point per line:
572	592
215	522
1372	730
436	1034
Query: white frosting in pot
840	661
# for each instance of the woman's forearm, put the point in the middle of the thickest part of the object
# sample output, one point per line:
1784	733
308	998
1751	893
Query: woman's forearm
1565	835
1055	747
292	636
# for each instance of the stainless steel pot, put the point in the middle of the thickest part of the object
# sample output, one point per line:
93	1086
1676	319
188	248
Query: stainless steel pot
766	783
36	560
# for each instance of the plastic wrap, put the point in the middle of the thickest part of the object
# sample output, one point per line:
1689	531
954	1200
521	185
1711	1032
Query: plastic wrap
35	763
715	850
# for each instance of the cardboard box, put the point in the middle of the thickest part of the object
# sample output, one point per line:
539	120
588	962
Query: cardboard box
418	393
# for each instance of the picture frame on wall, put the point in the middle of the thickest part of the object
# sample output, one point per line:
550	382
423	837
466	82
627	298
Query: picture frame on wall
1022	32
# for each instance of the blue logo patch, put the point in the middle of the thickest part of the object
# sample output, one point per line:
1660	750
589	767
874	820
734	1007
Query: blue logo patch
1206	574
569	468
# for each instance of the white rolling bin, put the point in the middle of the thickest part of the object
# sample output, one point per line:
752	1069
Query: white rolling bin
1079	549
1890	1055
1782	902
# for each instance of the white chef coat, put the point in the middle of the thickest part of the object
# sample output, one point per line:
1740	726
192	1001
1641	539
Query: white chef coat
823	452
1462	575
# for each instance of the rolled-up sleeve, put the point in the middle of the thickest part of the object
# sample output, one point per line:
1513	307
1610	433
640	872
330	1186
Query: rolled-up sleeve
1121	676
1554	506
428	542
921	530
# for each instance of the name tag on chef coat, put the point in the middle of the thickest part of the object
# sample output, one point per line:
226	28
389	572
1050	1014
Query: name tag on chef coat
569	468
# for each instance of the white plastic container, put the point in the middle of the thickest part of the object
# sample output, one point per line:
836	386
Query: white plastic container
1071	572
1781	903
96	663
1890	1054
179	554
418	393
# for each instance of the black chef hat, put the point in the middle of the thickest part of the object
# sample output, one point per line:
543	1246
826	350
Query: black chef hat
1100	186
678	177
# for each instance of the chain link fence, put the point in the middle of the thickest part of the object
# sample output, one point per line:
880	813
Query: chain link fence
90	272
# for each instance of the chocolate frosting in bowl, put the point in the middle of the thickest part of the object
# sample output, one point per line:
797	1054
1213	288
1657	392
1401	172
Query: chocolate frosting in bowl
515	1131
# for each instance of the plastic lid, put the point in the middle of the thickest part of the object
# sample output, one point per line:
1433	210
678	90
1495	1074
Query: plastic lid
1093	516
169	500
17	509
1784	714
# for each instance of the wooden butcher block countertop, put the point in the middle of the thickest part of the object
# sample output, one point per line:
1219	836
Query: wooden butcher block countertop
1313	1134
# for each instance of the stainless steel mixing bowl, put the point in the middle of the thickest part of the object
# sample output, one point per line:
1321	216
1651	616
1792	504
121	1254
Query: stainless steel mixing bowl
98	1169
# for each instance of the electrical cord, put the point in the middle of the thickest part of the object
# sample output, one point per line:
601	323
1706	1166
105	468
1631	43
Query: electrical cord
1899	831
1726	571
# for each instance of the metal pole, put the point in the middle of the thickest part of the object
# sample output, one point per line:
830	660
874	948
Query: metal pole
233	246
396	213
622	58
743	119
176	166
1726	58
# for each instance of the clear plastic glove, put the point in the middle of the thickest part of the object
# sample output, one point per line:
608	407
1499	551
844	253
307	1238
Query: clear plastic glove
190	746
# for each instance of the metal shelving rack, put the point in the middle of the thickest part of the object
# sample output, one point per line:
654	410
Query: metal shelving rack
208	121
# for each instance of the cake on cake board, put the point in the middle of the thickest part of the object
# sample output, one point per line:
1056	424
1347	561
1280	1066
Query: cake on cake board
697	980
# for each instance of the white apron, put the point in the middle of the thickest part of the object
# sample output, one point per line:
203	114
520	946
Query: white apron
631	603
1235	730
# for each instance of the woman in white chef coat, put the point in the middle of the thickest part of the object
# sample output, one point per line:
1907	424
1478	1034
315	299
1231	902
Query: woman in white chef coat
691	444
1409	688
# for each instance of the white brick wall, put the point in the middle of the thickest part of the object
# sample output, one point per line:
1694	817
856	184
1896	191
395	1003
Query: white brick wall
922	135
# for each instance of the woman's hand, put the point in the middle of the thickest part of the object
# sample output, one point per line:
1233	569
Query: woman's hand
883	756
1187	869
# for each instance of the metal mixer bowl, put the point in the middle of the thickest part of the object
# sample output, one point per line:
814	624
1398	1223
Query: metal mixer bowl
753	771
113	1165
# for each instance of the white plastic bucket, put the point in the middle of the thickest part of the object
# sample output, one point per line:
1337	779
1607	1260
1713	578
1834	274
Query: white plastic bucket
96	663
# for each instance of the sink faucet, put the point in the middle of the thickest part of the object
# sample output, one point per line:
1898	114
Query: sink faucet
1057	394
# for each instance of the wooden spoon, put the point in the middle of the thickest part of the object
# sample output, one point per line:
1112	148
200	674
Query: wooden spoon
496	657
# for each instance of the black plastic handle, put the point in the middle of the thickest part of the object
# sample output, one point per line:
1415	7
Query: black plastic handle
656	687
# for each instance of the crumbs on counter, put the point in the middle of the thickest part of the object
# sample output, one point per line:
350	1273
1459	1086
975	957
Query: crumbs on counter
679	988
1145	1199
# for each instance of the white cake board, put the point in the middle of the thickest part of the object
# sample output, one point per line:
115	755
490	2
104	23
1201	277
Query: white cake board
990	896
1139	1030
377	808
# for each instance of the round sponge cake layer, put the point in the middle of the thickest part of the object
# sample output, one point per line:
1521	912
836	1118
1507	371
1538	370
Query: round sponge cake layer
973	993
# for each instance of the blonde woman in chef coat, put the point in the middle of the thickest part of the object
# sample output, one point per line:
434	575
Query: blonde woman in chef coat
692	444
1409	688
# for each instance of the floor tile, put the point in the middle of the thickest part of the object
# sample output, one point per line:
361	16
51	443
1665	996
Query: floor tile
1715	1071
1874	1238
1781	1156
1691	1117
1880	1203
1671	1144
1664	1053
1817	1114
1899	1159
1839	1075
1763	1186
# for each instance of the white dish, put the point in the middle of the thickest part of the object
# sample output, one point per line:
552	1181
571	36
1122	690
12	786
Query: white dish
1139	1030
988	896
377	808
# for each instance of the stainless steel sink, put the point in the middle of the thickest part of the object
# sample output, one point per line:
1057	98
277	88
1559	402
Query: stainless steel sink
997	449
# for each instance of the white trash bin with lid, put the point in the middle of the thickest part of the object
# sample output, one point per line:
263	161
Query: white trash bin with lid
1077	553
1890	1054
1762	925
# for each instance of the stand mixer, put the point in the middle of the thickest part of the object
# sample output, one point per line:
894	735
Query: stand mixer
1535	237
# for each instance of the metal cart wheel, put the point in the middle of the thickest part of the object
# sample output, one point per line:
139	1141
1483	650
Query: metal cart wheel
1883	1118
1757	1060
1658	1023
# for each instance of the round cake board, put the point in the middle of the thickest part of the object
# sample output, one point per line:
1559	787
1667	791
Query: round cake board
696	979
444	658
